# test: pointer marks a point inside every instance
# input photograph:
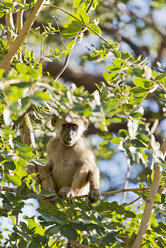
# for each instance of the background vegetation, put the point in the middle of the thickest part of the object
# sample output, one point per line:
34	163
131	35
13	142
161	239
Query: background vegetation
104	60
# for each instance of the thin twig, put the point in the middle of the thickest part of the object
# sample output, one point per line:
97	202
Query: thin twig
56	20
64	66
90	5
162	86
22	116
125	190
130	203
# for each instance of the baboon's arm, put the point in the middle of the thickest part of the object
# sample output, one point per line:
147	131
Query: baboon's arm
46	179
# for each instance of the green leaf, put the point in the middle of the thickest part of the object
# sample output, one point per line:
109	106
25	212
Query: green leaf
105	75
13	179
34	244
116	141
129	214
1	73
95	28
77	3
41	96
117	53
52	230
139	91
53	218
10	165
113	68
118	62
146	84
138	143
112	76
69	232
83	16
70	46
72	29
108	239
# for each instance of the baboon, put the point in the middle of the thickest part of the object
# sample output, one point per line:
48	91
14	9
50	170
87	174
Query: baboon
70	169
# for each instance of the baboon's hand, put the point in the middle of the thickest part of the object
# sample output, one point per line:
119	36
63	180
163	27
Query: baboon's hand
47	185
94	195
66	192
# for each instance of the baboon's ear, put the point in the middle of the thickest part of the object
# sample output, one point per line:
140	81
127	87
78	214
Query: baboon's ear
54	120
86	123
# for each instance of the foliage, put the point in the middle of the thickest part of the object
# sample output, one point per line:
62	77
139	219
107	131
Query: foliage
128	82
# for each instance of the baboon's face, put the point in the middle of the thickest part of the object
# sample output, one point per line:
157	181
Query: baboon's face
69	128
70	133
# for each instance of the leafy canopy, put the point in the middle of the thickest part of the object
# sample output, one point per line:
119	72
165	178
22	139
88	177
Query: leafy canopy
127	82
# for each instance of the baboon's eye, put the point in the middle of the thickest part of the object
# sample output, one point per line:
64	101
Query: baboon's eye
74	126
66	125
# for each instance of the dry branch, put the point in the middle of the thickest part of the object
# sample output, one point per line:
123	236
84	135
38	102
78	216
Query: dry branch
148	208
22	35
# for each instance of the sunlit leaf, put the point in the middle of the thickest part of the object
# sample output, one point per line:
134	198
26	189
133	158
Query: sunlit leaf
93	28
13	179
70	46
83	15
72	29
76	3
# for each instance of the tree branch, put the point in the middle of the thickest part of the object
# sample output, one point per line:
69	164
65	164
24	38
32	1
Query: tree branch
160	52
113	192
135	190
130	203
10	27
27	137
148	208
163	148
19	25
126	181
22	35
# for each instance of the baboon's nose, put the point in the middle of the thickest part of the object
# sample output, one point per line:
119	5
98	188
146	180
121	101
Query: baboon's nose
69	138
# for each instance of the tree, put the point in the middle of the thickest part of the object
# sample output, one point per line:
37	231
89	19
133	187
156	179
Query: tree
115	107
